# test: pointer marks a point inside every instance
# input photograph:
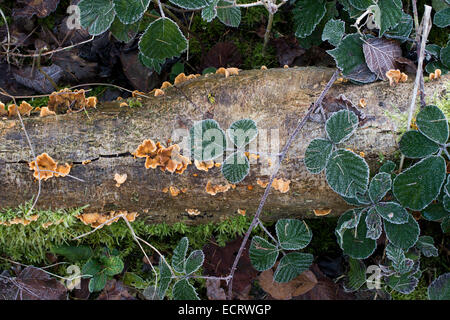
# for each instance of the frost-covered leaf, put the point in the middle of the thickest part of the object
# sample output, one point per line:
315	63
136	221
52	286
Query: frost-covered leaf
317	154
291	265
179	255
162	39
426	245
399	261
432	123
210	12
307	15
356	275
446	202
434	50
183	290
242	132
347	173
97	282
361	4
403	283
415	145
348	220
236	167
403	236
345	62
130	11
374	224
333	31
445	56
439	289
96	15
442	18
379	186
380	55
164	279
263	254
392	212
391	14
194	262
361	74
293	234
447	186
228	16
341	125
358	200
355	243
388	167
402	30
191	4
420	184
433	65
124	32
208	140
434	212
445	225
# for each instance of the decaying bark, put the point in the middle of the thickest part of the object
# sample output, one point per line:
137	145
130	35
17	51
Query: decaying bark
275	99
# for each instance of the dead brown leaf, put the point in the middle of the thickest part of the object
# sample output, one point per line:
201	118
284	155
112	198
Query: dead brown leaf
41	8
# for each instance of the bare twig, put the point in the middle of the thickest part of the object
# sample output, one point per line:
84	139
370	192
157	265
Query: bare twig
8	35
291	138
419	73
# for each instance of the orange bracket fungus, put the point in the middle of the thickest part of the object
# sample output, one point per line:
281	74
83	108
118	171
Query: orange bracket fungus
213	190
120	179
321	212
159	92
228	71
45	111
97	219
204	165
281	185
193	212
165	84
262	183
48	168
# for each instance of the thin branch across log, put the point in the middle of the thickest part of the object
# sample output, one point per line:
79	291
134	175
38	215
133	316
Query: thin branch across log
274	98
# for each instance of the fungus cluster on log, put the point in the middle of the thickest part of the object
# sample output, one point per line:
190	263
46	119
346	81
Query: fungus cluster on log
45	167
95	219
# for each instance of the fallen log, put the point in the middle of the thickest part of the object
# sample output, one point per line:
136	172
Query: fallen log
100	144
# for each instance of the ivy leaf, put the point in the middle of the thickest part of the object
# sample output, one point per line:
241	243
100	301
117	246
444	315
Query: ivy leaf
380	55
355	243
426	245
179	255
190	4
263	254
374	224
439	289
356	275
291	265
345	62
183	290
388	167
293	234
154	64
392	212
434	212
403	236
130	11
432	123
236	167
208	140
113	266
333	31
379	186
341	126
402	30
307	15
194	261
420	184
317	154
398	259
162	39
124	32
98	282
96	16
415	145
165	278
242	132
210	12
228	16
347	173
361	4
403	283
442	18
391	14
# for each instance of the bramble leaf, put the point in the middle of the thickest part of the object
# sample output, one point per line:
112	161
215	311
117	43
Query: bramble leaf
432	123
439	289
345	62
307	15
183	290
341	125
391	14
379	186
96	16
291	265
355	243
179	255
333	31
208	140
415	145
228	16
191	4
263	254
293	234
317	155
403	236
374	224
442	18
242	132
194	261
392	212
236	167
426	245
130	11
380	54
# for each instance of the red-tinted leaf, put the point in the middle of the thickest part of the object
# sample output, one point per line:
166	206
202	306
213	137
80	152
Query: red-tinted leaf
380	55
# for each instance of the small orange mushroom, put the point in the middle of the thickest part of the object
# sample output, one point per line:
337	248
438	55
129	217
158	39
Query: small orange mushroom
25	108
321	212
165	84
261	183
223	71
242	212
193	212
123	104
174	191
233	71
362	103
3	111
120	179
12	110
159	92
45	111
263	68
180	79
91	102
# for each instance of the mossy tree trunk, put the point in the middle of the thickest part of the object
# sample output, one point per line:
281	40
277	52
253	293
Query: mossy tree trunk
276	99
